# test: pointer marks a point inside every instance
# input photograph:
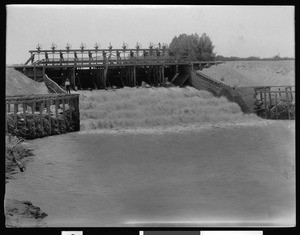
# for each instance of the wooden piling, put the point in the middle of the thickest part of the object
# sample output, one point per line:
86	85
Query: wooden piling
64	111
105	77
288	104
8	107
49	115
32	111
43	71
34	73
276	110
70	108
261	99
134	76
265	102
73	77
16	115
41	114
24	113
163	74
270	98
56	108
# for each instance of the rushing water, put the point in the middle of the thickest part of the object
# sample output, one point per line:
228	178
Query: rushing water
152	107
191	174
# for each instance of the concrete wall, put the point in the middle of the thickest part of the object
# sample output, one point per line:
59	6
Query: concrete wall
243	96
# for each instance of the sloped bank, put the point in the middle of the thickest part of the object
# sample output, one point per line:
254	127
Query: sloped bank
19	213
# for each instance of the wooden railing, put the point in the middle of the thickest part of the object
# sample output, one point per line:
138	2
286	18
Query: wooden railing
272	101
53	86
37	116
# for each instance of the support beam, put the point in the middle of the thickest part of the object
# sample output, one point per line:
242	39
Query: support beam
163	75
49	115
16	115
43	72
134	76
34	73
105	77
73	77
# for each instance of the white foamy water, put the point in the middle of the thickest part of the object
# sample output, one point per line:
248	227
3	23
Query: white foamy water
153	107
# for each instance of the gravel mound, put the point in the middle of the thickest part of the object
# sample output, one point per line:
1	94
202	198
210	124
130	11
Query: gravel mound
18	84
254	73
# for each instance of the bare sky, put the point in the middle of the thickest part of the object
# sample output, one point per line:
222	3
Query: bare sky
235	30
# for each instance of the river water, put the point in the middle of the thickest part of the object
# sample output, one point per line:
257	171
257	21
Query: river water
162	157
189	177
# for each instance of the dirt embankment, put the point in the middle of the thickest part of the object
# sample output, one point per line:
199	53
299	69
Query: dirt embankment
19	213
254	73
23	214
18	84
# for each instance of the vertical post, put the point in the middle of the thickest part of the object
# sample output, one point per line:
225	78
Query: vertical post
49	115
265	101
34	73
270	98
105	76
288	104
33	106
9	136
56	113
56	109
77	112
279	92
41	114
43	71
163	74
260	94
289	93
24	113
64	113
32	111
6	124
134	76
276	110
73	76
70	108
16	115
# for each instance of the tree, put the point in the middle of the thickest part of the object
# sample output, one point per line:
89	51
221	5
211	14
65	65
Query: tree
192	47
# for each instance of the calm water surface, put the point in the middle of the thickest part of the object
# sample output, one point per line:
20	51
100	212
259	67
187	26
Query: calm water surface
187	179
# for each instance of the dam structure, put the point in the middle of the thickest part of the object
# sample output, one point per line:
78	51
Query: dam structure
97	68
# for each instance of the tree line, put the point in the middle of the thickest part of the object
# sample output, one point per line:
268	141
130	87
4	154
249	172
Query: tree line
193	47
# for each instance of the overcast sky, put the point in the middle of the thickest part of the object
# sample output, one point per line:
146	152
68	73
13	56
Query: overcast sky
235	30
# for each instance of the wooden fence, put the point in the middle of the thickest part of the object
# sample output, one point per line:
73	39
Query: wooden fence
275	102
37	116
